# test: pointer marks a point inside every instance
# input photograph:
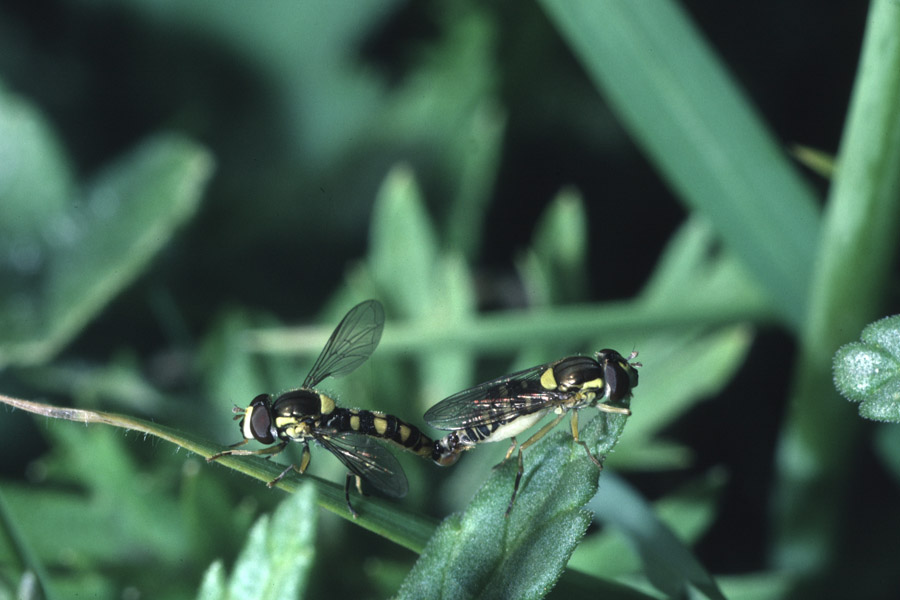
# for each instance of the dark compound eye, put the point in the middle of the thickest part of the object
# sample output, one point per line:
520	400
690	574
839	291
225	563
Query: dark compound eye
620	376
260	422
615	382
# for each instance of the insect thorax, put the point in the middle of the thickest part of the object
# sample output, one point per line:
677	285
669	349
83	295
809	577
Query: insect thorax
578	373
298	410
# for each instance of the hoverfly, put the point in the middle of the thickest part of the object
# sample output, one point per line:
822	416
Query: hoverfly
505	407
305	414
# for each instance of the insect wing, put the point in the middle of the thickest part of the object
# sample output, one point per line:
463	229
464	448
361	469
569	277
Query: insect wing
494	401
353	341
367	458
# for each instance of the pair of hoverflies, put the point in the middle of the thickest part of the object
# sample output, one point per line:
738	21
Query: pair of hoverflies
493	411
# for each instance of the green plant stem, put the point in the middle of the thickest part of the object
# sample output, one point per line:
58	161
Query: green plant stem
379	516
857	246
509	331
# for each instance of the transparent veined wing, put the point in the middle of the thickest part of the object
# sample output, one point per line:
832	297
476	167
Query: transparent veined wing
365	457
353	341
494	401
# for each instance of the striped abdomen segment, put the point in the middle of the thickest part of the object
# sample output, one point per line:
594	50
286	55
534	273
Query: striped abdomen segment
383	426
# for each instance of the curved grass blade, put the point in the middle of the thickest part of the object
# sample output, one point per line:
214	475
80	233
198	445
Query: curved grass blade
379	516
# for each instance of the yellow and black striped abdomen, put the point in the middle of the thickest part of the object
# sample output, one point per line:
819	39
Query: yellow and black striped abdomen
382	426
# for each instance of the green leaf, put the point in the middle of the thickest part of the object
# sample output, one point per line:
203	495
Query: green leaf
868	372
669	565
482	554
36	183
403	245
131	211
688	512
853	271
554	268
680	104
94	467
278	555
213	586
29	564
448	107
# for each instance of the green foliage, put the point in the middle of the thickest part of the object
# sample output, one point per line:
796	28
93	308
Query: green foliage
482	554
868	372
455	161
124	216
678	102
277	558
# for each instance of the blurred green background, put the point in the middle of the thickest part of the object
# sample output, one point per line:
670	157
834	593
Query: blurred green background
193	193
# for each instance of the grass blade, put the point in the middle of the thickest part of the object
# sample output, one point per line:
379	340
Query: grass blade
680	104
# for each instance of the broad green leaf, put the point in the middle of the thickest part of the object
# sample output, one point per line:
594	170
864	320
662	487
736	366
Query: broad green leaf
131	211
482	554
693	286
671	92
446	369
694	271
868	372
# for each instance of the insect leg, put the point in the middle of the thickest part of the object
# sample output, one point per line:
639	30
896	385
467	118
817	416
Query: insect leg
350	477
304	462
508	452
538	435
582	443
618	410
542	432
270	451
512	499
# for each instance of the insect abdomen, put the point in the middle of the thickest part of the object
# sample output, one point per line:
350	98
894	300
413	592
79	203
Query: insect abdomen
383	426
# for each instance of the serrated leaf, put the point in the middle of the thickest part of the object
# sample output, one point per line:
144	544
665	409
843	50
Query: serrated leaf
482	554
279	552
868	372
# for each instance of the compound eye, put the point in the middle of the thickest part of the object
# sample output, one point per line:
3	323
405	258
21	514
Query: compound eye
257	421
618	382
